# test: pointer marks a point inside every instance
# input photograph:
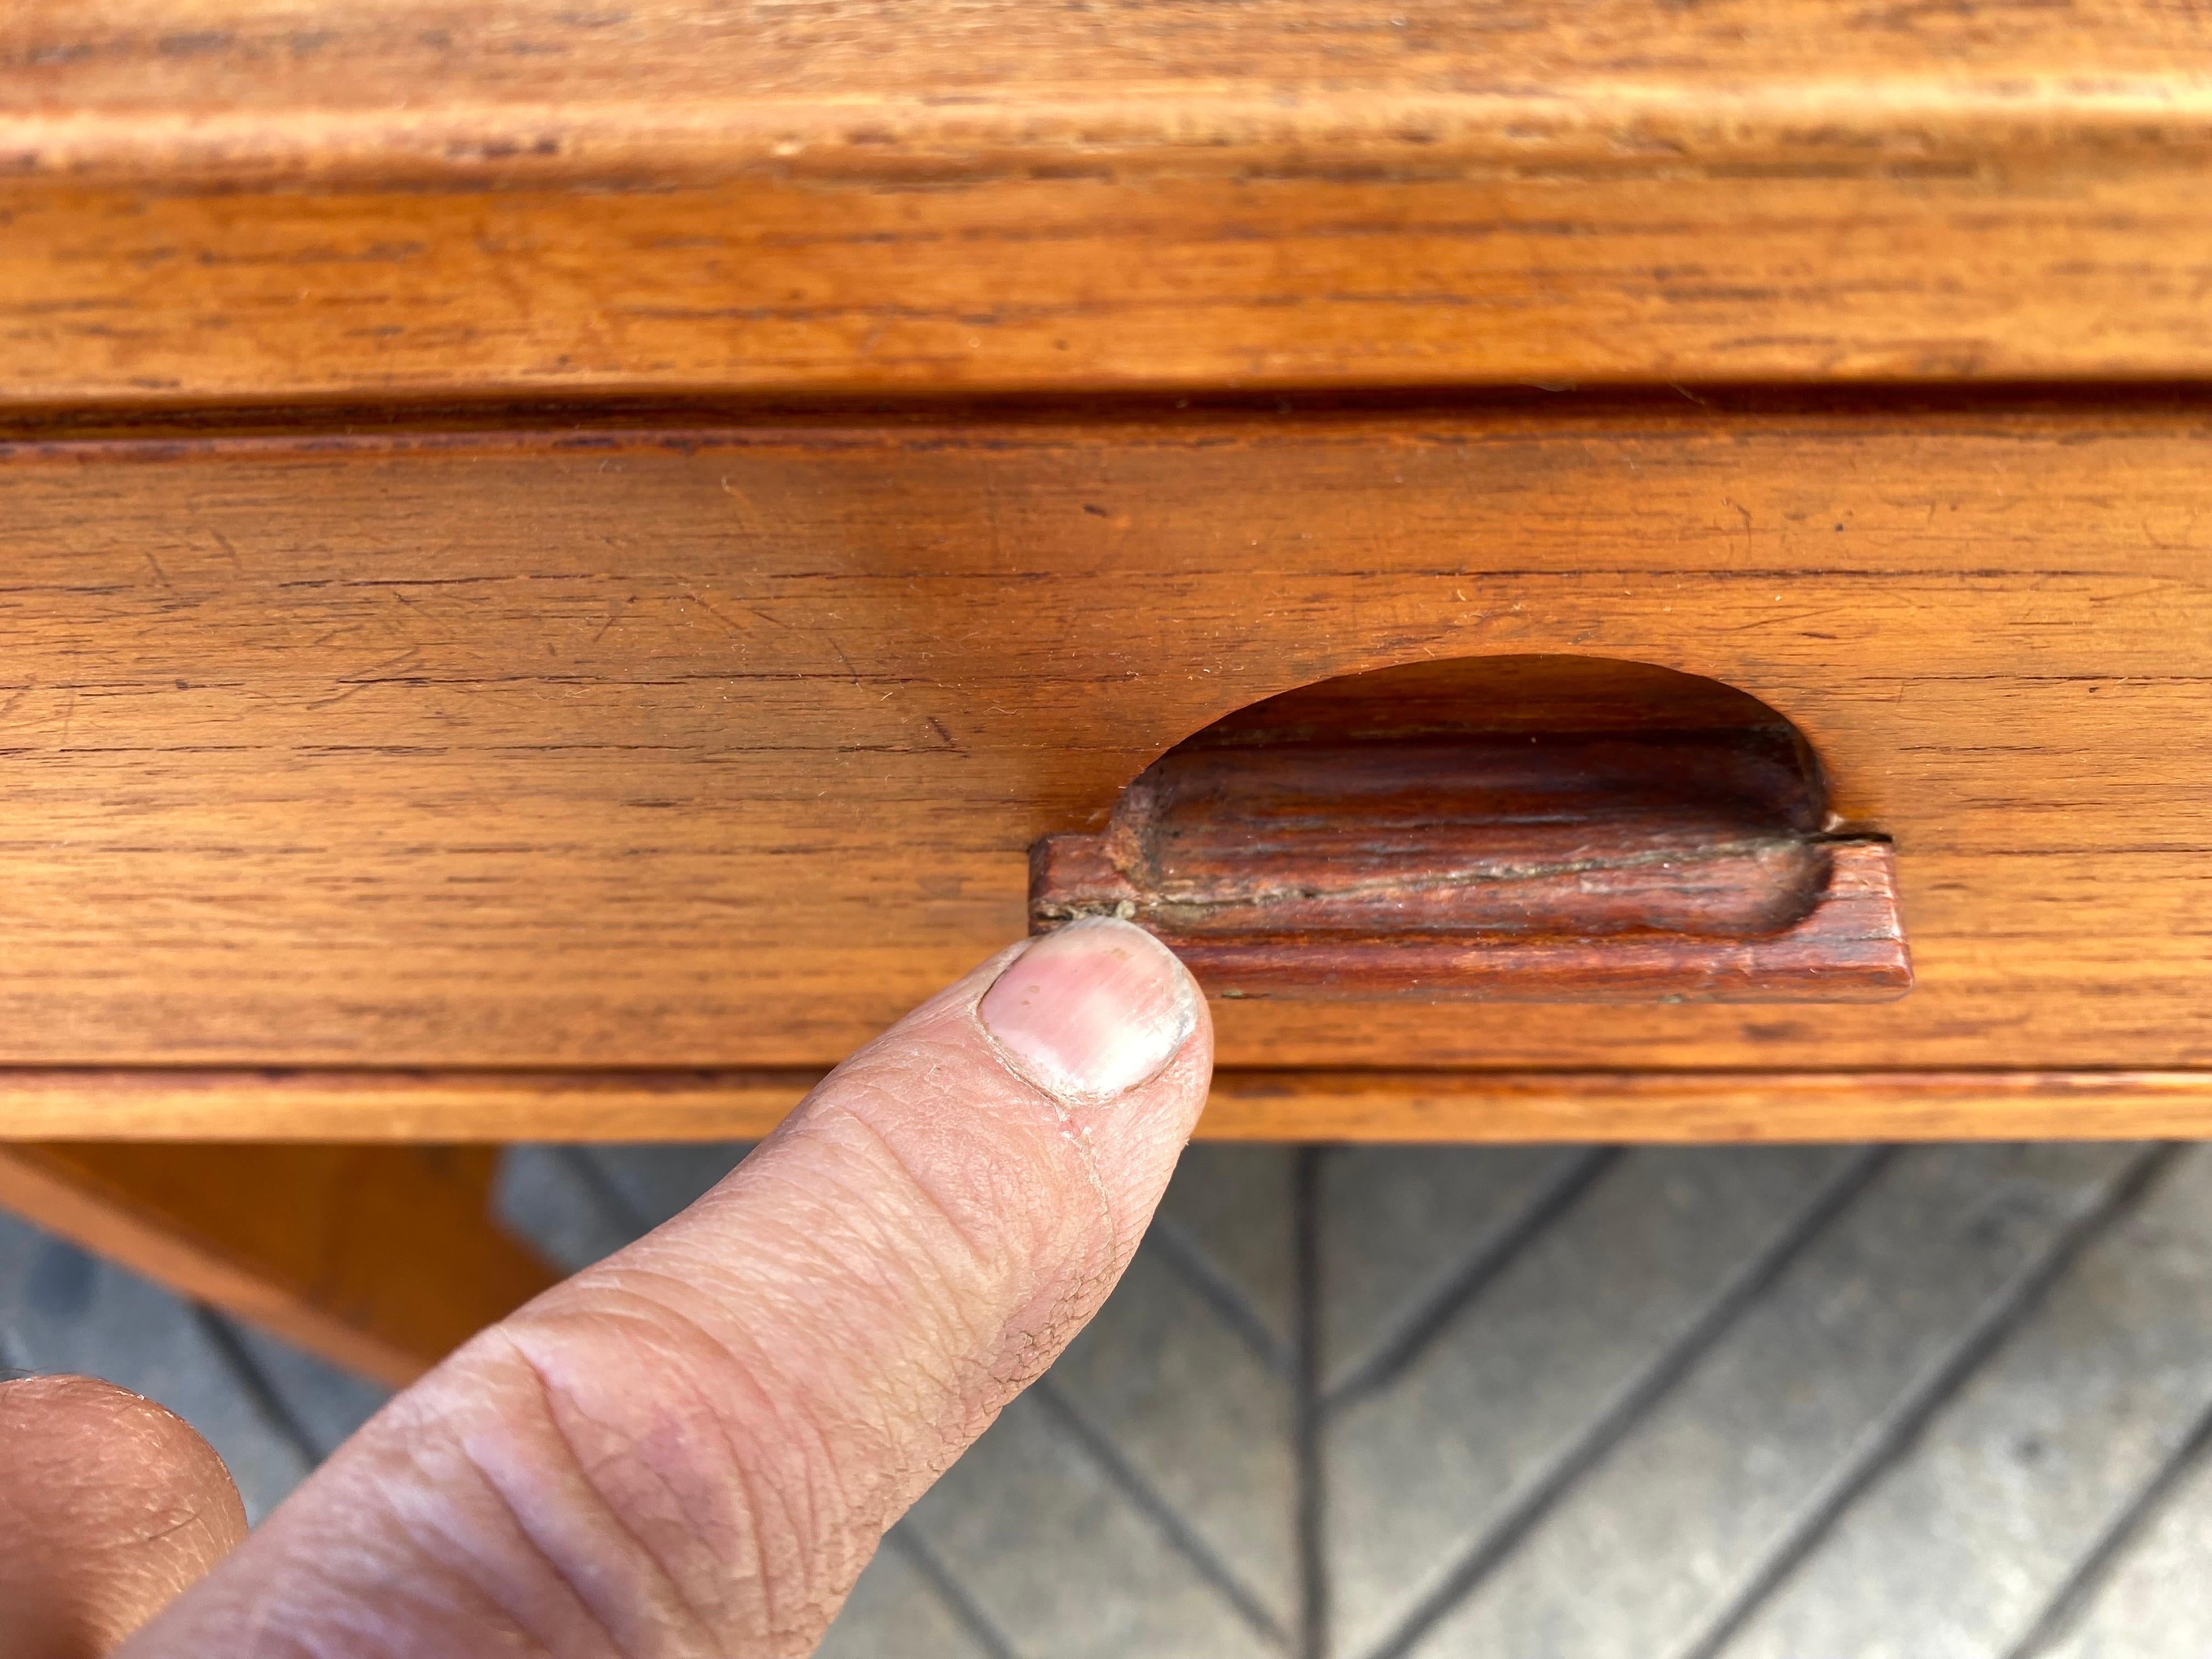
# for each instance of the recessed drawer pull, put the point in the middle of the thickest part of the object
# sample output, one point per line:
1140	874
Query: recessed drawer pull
1542	829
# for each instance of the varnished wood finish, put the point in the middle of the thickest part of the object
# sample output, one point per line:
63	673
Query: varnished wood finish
1247	1105
1544	830
207	1103
380	1258
1847	947
723	746
618	779
1707	1107
280	198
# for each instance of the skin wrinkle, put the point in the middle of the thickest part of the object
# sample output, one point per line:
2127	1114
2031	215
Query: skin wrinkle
635	1285
901	1464
915	1258
264	1640
1088	1271
824	1470
739	1537
983	1270
874	1297
979	1256
770	1621
1077	1136
752	1528
754	1503
404	1573
415	1586
756	1539
552	1416
435	1500
863	1207
433	1509
341	1642
756	1512
523	1616
872	1423
749	1506
273	1636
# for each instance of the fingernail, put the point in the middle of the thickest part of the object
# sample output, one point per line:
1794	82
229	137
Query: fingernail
1091	1011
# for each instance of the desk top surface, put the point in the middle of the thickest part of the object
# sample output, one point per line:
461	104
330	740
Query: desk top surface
270	200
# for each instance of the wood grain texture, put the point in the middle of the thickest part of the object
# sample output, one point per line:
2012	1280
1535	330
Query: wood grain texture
282	198
1847	947
722	746
367	1107
380	1258
1544	830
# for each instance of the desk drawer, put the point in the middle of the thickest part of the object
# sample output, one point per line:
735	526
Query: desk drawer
709	741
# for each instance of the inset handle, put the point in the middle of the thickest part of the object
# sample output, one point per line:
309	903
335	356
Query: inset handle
1329	844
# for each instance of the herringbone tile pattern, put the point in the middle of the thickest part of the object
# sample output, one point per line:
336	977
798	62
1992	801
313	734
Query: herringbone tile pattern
1416	1403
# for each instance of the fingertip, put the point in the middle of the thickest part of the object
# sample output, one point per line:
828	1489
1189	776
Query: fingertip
1092	1011
111	1505
106	1452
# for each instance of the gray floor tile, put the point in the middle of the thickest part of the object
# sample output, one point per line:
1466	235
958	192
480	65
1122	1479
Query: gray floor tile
1957	1548
1411	1227
1231	1207
898	1611
1657	1404
2155	1600
64	1311
1201	1421
652	1183
577	1204
1651	1545
551	1196
322	1404
1058	1559
1420	1472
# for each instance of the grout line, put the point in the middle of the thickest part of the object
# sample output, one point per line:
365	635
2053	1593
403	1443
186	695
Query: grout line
2081	1586
965	1609
1632	1404
1156	1509
1309	1517
613	1204
254	1382
1887	1441
1189	1260
1488	1257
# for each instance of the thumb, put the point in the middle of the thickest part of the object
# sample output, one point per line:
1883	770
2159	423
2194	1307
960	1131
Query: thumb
694	1447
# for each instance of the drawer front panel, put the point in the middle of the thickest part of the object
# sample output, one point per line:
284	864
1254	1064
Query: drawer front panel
720	745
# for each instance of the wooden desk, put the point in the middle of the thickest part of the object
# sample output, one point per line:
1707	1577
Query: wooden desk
557	564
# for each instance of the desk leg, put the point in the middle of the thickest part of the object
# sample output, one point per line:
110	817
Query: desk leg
380	1258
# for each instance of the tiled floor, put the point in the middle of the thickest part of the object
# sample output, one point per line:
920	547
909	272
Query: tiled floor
1367	1403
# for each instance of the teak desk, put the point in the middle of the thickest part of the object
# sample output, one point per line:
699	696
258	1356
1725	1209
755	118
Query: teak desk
558	562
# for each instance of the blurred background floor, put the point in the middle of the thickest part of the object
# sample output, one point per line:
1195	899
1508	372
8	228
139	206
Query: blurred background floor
1362	1403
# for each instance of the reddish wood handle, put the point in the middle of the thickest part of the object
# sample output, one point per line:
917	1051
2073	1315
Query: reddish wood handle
1644	864
1848	947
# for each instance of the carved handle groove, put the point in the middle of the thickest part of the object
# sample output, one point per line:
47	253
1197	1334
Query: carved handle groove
1330	857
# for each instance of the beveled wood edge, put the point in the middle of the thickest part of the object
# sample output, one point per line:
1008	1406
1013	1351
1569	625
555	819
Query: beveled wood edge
147	1247
1247	1105
365	1283
1849	947
902	136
